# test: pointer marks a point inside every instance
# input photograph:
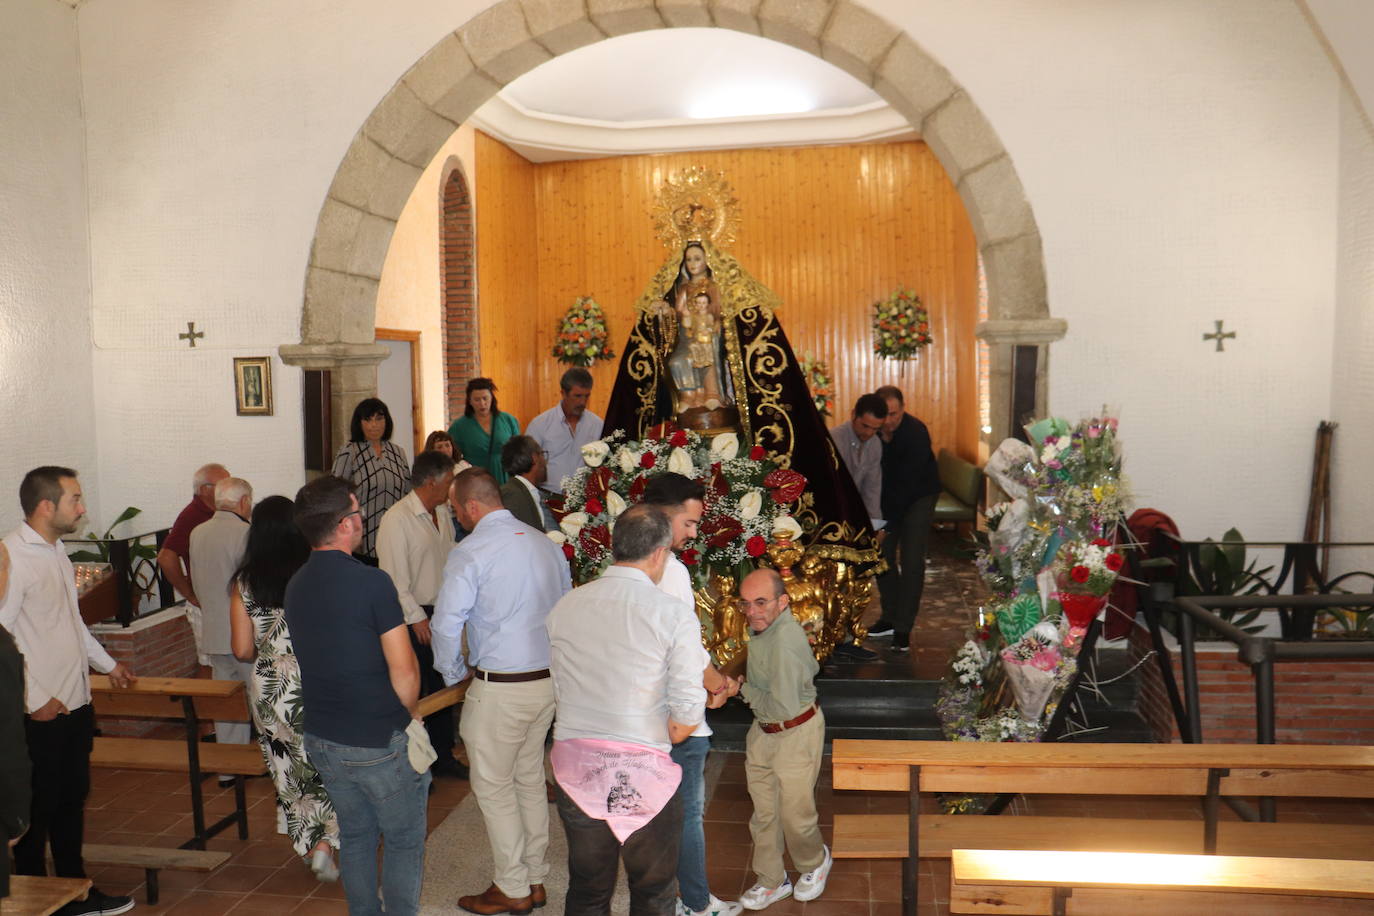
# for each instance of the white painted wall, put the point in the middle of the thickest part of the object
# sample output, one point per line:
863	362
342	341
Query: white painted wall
1352	357
410	296
1181	157
45	333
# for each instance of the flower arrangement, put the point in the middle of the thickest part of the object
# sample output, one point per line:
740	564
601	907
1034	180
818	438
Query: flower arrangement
901	326
581	338
748	498
821	384
1048	559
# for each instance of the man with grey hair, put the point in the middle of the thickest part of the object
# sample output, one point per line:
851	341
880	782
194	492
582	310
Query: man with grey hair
217	548
523	460
626	662
565	427
174	557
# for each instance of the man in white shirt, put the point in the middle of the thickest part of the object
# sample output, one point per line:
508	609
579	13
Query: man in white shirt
683	501
525	463
40	611
626	661
217	548
564	428
499	585
414	538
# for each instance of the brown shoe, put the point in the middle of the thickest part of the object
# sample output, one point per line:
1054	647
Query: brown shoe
537	895
493	901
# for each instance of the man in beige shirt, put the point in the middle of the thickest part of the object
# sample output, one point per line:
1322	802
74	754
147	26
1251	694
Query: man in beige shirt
413	543
782	752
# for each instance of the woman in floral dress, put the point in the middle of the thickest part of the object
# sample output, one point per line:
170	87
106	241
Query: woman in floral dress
276	549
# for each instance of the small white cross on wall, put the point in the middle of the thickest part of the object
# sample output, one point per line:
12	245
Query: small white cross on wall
191	334
1219	336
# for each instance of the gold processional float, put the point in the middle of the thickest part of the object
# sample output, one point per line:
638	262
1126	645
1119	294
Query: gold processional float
708	354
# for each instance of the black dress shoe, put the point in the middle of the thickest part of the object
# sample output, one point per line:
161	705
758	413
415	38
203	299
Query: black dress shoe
851	652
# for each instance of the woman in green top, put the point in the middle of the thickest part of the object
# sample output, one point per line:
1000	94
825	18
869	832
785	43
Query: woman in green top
483	429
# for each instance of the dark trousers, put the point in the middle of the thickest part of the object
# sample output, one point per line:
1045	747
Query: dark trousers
904	548
594	855
439	724
61	755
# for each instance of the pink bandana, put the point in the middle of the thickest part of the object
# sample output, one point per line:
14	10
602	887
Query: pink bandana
625	785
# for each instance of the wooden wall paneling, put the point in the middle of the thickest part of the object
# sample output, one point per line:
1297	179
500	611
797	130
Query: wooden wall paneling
829	229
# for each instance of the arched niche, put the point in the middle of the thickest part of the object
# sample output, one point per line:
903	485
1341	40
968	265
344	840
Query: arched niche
511	37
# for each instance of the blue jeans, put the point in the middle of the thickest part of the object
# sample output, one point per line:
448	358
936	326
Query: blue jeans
377	795
691	856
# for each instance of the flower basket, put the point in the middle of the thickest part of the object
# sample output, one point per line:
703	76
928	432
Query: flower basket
581	338
1079	608
901	326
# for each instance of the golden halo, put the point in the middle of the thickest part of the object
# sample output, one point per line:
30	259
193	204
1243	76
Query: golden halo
696	204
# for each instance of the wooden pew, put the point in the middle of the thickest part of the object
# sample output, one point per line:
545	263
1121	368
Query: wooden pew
30	896
1060	883
187	700
1204	771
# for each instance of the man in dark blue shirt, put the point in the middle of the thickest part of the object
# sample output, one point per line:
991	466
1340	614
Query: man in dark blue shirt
360	684
911	485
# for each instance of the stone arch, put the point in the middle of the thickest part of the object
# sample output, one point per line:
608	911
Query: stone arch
470	65
458	279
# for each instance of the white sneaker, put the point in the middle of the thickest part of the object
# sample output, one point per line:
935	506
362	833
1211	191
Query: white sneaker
812	884
714	907
758	896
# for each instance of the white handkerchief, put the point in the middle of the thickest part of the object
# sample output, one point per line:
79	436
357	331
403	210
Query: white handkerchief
418	748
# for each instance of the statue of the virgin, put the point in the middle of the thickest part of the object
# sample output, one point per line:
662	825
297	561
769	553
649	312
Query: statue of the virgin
707	353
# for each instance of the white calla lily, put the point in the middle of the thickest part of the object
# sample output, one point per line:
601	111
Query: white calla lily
750	504
679	462
725	446
557	537
787	525
614	503
573	524
594	453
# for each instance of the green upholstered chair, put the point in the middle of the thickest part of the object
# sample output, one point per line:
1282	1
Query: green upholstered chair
963	488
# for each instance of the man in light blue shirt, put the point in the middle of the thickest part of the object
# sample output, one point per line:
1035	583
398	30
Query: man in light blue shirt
564	428
500	583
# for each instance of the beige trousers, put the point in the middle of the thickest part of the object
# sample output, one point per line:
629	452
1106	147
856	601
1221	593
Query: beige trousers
781	770
503	728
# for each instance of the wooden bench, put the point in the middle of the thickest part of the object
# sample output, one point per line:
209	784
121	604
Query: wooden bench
1205	771
1055	882
188	700
962	490
152	859
30	896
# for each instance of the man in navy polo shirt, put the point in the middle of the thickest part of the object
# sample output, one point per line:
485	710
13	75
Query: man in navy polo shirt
360	684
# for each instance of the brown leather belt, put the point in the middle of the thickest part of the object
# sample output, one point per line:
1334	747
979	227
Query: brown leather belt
519	677
773	728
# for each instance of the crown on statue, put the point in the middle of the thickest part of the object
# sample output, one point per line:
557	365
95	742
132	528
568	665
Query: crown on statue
696	204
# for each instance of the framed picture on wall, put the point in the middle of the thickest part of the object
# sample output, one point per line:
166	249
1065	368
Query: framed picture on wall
253	385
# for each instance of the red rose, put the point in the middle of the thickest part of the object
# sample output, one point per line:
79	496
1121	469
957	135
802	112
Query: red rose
594	507
757	453
755	546
1080	574
568	551
787	485
1113	561
1101	542
678	440
647	460
690	556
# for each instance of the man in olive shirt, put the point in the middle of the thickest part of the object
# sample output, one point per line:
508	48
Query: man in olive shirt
784	746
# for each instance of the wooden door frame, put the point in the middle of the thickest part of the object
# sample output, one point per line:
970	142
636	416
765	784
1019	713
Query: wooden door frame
417	397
